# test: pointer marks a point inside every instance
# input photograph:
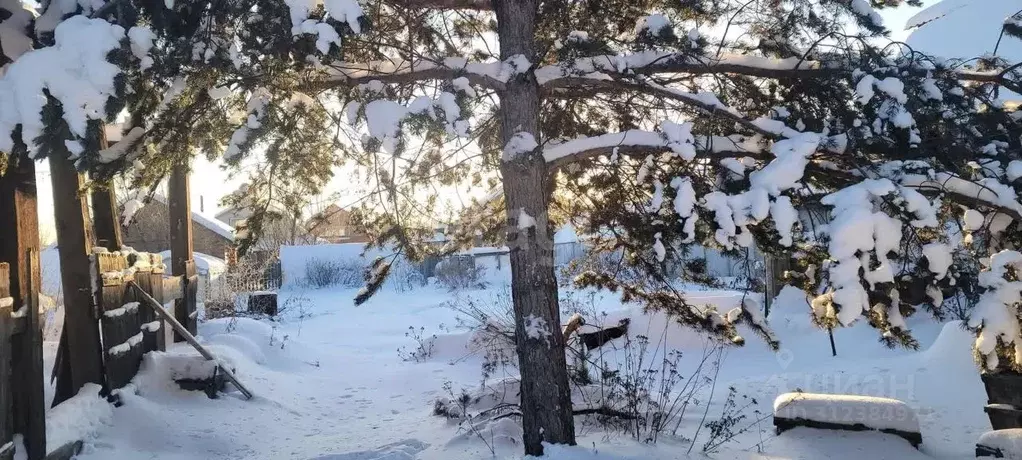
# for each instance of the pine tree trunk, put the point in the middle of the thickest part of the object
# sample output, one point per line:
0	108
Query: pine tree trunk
546	395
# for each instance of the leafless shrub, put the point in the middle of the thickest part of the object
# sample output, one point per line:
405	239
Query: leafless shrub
423	345
321	273
405	276
459	272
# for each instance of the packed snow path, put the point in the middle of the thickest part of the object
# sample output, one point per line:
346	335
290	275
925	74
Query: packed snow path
330	386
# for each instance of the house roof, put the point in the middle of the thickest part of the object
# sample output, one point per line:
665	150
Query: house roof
941	29
205	220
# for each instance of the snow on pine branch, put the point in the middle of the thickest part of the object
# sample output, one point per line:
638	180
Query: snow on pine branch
673	136
74	71
257	107
383	117
344	11
862	231
996	313
649	62
704	100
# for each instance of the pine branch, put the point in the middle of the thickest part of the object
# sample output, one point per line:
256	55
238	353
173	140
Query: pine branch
620	66
639	142
478	5
714	108
403	71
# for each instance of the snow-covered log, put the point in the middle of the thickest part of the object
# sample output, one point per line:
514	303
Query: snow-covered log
846	412
1000	444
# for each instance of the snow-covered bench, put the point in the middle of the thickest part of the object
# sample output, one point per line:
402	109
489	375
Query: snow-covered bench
846	412
1000	444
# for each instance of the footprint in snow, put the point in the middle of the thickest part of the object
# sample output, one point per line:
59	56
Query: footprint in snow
401	450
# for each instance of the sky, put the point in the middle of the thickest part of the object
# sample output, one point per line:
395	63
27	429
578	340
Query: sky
209	182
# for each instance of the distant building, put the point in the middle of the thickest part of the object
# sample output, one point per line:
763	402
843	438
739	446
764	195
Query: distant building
233	216
149	230
333	225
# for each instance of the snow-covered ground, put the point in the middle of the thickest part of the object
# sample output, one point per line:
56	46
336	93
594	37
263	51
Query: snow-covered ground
332	385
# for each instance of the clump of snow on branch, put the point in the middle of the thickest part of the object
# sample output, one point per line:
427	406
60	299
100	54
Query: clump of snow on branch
344	11
996	314
257	107
74	71
684	205
733	214
654	24
859	233
938	256
384	117
658	248
141	42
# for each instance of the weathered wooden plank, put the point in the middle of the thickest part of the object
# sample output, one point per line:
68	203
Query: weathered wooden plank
27	367
166	334
19	225
5	283
122	334
104	216
143	279
173	288
6	396
181	263
84	353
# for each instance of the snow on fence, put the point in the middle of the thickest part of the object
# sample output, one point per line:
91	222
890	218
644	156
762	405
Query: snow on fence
130	331
846	412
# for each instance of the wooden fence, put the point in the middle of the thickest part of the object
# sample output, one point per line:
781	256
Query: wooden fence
22	405
130	331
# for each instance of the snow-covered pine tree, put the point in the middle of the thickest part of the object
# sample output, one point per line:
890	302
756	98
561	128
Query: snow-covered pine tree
789	125
167	81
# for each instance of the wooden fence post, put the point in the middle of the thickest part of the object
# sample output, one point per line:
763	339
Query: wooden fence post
84	353
181	262
6	392
19	246
144	280
165	334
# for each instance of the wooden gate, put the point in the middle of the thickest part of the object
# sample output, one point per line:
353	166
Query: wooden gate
130	331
